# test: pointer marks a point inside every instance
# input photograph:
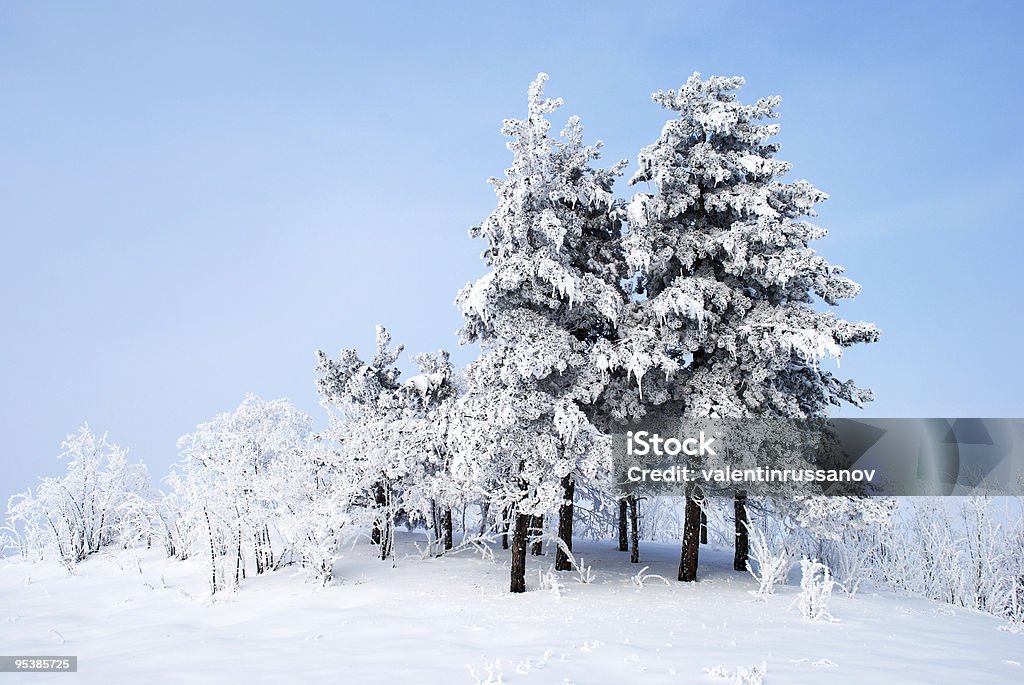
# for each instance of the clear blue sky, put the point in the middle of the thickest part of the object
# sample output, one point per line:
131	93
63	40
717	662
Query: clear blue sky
194	198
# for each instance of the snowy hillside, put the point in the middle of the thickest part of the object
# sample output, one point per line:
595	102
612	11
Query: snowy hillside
143	618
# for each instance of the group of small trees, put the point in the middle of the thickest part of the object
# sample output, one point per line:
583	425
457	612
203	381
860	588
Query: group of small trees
967	553
254	491
86	509
699	295
250	486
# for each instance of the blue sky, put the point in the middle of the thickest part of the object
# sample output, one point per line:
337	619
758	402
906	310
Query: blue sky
194	198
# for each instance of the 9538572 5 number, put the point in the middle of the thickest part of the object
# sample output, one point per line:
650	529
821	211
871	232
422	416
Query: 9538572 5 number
38	664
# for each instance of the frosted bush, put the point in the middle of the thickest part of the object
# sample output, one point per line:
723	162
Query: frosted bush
642	577
75	515
491	674
967	556
816	586
584	574
773	562
549	580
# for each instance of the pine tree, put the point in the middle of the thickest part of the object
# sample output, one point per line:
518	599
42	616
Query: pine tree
367	400
727	286
551	293
394	437
423	438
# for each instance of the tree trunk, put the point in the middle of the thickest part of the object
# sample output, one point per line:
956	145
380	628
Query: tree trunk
377	534
262	552
634	532
485	511
623	537
238	558
562	562
446	526
703	527
257	552
385	524
213	554
268	549
519	532
537	529
506	523
385	542
739	507
691	541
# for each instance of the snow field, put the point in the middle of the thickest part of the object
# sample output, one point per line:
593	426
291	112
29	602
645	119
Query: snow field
451	620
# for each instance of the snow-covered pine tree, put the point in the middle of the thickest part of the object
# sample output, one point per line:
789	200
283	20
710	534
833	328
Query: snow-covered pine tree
365	401
393	438
551	294
727	283
424	438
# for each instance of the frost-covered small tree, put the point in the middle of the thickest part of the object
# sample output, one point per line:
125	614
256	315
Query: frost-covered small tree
424	438
236	478
77	514
365	400
551	293
840	531
816	586
394	450
772	559
169	519
313	507
727	284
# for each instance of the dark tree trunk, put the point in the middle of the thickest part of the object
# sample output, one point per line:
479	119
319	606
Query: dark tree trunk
238	558
435	521
562	562
506	523
485	511
739	506
268	549
377	534
703	527
263	552
519	532
446	526
213	554
623	536
537	526
634	531
691	541
385	524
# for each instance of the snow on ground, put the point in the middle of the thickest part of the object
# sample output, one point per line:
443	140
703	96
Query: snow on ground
431	621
